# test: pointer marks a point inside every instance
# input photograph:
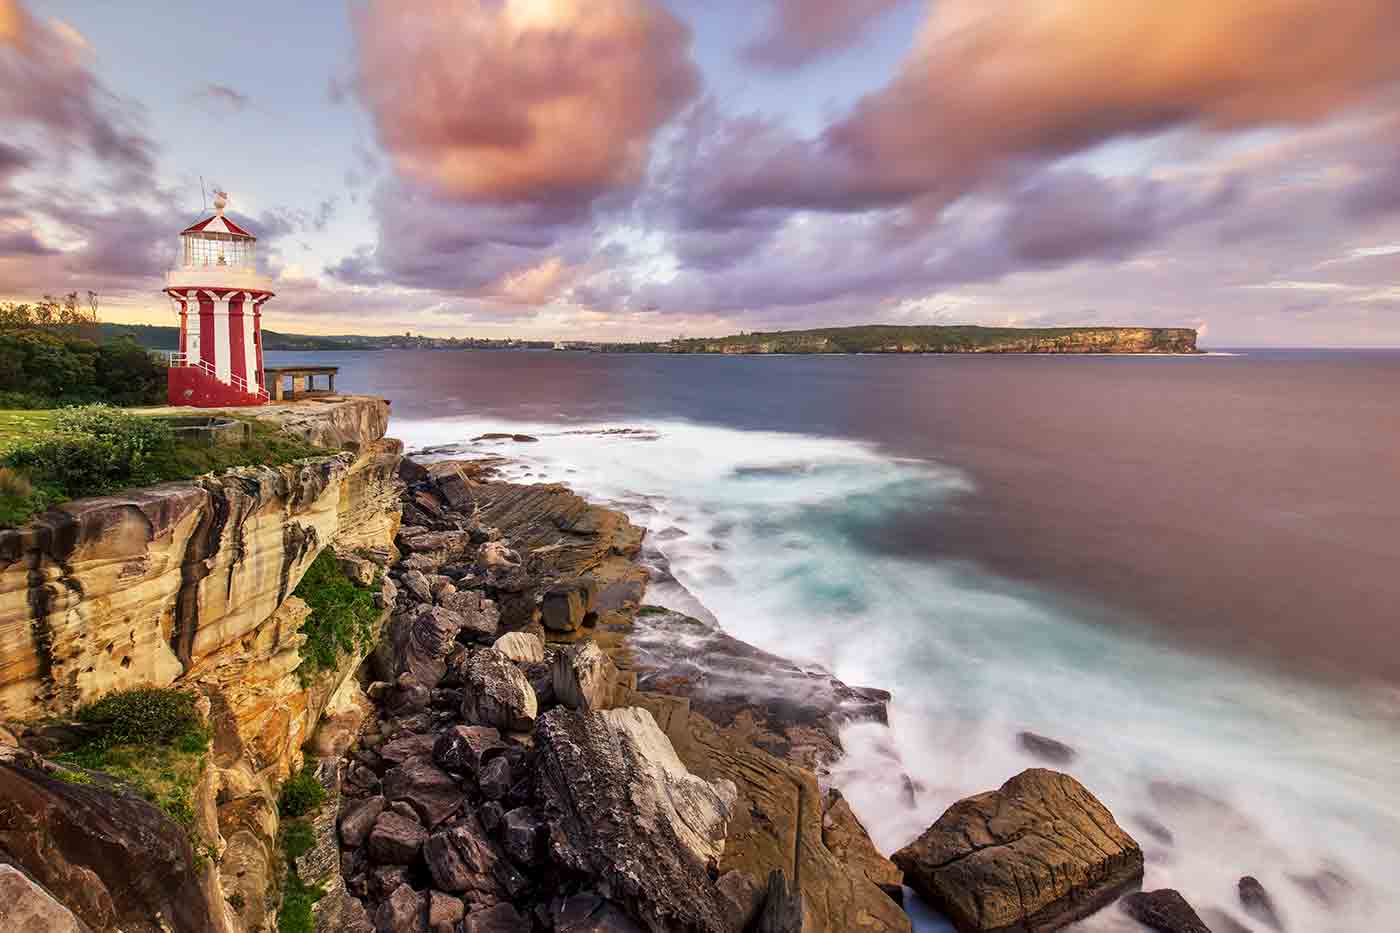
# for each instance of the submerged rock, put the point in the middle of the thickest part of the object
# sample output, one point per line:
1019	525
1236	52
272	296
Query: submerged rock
656	863
1255	900
1038	853
1046	749
1165	911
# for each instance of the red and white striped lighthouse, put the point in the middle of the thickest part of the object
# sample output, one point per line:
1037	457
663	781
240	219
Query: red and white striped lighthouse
219	296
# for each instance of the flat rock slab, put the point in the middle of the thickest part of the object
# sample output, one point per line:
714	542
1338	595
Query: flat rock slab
1037	854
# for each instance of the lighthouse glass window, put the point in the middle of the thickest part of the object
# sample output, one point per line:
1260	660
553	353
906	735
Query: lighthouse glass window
210	251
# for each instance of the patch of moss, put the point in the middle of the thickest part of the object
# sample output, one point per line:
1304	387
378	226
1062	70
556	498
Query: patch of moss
342	615
302	795
298	899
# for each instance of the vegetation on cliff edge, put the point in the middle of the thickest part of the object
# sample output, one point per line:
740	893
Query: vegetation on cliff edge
95	450
342	614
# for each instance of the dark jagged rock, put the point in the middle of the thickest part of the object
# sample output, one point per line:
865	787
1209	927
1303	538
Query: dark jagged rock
491	814
402	912
1038	853
357	819
464	860
594	766
116	861
415	583
383	880
480	618
432	792
418	642
1046	749
565	606
27	908
400	750
503	918
589	913
782	910
444	912
497	693
743	895
523	836
494	779
465	749
1257	903
395	840
1165	911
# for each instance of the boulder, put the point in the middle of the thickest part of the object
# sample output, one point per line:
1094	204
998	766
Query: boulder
1258	904
1039	853
523	836
444	912
395	840
565	606
400	750
1165	911
465	749
503	918
497	693
743	895
433	793
117	862
415	583
464	860
401	912
480	618
584	678
521	647
418	643
589	913
1046	749
358	818
846	838
656	863
27	908
495	779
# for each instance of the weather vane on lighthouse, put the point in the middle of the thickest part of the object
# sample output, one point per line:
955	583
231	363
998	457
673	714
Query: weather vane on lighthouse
219	295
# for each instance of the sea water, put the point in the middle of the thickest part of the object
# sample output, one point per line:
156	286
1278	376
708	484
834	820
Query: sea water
1219	768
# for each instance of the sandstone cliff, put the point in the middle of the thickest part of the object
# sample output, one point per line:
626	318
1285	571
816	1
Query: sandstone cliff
189	585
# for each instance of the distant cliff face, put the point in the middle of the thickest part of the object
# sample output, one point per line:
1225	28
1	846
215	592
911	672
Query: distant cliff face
946	339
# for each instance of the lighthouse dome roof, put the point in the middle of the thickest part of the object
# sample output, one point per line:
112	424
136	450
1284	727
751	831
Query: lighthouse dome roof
218	223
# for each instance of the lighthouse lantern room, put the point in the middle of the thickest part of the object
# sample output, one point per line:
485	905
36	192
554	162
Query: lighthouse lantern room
218	293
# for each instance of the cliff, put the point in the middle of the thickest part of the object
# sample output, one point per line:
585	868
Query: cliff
189	585
950	339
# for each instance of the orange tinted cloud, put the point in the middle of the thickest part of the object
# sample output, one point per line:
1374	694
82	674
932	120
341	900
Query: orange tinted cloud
993	82
522	99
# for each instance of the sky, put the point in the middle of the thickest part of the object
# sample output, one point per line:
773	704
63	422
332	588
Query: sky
645	169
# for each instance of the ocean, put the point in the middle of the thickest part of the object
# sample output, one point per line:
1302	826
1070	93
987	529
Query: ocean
1183	567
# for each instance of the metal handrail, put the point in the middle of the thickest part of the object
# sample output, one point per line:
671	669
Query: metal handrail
182	360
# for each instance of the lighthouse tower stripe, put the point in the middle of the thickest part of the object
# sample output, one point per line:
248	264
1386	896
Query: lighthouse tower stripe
257	331
249	370
204	345
237	361
221	341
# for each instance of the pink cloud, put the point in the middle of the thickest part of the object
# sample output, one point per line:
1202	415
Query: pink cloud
521	100
800	31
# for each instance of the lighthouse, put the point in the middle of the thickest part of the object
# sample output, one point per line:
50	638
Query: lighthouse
218	293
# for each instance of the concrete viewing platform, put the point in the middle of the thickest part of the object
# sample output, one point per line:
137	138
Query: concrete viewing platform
302	378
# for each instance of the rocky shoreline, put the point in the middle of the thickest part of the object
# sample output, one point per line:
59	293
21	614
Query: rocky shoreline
548	753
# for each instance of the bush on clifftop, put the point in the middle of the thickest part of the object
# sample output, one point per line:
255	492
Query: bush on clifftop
342	614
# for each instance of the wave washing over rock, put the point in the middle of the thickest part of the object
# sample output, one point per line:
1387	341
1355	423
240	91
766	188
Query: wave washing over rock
1220	771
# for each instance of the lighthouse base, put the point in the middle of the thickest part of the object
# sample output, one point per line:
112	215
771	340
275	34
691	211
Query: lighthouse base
189	385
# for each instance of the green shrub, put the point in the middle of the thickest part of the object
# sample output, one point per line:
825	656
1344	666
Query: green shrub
142	716
298	838
301	794
342	614
51	368
298	898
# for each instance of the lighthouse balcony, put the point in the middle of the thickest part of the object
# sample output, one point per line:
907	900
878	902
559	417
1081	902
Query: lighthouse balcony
213	275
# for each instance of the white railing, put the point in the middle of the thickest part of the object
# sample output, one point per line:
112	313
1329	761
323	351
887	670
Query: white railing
181	360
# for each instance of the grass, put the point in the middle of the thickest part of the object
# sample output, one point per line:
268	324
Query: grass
99	450
22	427
150	740
302	795
342	615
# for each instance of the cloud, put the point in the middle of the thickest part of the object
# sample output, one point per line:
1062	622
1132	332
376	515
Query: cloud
801	31
223	97
522	100
45	83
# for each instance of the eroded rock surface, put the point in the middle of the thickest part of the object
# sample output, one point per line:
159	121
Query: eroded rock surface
1165	911
1038	853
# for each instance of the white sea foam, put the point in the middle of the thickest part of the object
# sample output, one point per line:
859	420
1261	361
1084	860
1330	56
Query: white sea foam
778	536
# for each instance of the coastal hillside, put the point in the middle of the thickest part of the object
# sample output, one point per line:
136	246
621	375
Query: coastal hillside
879	338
